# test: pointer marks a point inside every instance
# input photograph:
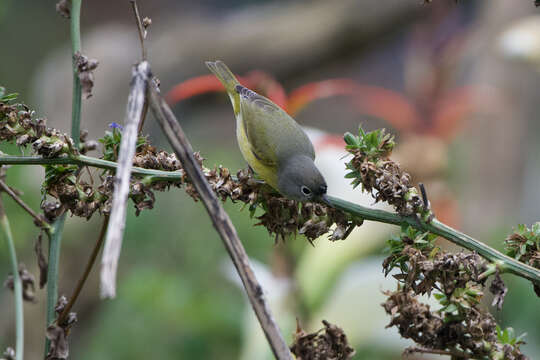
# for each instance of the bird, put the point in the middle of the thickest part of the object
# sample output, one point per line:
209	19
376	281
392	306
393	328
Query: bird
272	142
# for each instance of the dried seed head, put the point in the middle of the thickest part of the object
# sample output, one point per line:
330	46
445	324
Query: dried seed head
85	67
327	343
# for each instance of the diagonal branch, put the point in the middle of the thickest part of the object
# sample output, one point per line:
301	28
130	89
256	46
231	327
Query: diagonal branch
221	221
117	222
39	220
504	263
89	265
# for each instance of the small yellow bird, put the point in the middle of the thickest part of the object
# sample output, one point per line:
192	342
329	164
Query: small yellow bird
272	143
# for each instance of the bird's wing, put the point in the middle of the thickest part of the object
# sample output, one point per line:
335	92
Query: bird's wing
271	132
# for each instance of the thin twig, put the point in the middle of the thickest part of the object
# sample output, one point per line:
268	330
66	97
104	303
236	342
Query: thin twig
142	37
221	221
43	224
505	263
452	352
115	230
17	285
142	31
144	112
424	195
89	266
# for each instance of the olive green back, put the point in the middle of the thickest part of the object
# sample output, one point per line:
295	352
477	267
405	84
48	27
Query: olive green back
274	135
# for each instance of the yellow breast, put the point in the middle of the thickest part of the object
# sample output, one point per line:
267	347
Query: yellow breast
267	173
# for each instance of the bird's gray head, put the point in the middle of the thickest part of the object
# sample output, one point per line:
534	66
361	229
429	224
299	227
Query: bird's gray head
299	179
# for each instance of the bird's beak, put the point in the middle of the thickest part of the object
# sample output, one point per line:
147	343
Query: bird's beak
325	200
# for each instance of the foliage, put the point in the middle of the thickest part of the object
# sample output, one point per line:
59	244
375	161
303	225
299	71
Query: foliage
382	177
524	244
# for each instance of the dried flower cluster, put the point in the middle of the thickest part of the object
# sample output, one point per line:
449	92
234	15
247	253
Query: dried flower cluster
85	68
332	344
17	123
84	199
424	267
282	217
461	326
524	245
58	333
382	177
9	354
28	284
63	8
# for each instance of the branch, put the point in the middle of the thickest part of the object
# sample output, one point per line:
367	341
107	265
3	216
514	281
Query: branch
17	285
142	36
221	221
75	48
115	231
140	28
39	220
454	353
58	226
87	270
90	161
505	263
52	272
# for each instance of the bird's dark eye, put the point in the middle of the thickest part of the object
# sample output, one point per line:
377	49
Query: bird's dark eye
305	190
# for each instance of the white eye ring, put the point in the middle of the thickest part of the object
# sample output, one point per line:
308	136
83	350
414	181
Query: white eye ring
305	190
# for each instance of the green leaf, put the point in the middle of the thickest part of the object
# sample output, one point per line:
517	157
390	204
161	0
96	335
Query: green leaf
511	334
535	228
350	139
439	296
361	132
451	308
10	97
519	339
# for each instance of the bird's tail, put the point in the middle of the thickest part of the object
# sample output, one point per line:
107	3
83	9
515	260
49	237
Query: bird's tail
228	80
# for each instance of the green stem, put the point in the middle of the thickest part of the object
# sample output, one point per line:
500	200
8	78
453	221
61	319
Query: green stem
491	269
76	47
58	226
52	271
17	286
505	263
82	160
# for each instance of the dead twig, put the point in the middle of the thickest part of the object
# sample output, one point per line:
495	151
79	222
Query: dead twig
141	27
39	220
221	221
117	223
63	315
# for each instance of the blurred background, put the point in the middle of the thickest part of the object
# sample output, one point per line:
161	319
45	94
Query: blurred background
457	82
